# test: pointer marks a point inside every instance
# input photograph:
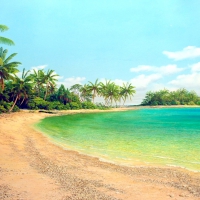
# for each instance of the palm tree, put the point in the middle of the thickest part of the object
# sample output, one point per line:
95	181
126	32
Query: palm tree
49	79
7	69
85	93
4	40
111	93
127	90
38	79
94	88
21	86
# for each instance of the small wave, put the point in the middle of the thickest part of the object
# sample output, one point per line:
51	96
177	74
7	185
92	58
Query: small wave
178	166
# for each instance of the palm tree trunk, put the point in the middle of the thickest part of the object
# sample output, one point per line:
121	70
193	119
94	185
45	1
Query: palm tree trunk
14	103
22	101
2	84
46	92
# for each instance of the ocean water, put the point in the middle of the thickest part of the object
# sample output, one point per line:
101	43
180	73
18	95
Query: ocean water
161	137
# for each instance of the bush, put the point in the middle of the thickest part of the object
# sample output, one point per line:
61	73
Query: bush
75	106
67	106
5	106
101	106
38	103
15	109
154	103
88	105
191	103
2	109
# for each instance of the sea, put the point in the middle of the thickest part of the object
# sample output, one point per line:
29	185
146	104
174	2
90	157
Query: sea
164	137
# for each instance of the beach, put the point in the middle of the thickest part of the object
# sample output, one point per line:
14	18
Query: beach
32	167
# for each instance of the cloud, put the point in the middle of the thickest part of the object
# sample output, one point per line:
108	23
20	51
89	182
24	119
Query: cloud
188	81
68	82
142	81
195	67
163	70
187	52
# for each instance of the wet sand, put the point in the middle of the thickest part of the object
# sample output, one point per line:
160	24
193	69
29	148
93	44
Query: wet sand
33	168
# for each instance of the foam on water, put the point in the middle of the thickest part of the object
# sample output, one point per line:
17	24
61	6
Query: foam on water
168	137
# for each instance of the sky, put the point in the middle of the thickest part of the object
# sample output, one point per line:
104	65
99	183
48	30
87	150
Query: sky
151	44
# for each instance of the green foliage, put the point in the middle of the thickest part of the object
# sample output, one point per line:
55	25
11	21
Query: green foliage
38	103
5	107
75	106
15	109
88	105
101	106
166	97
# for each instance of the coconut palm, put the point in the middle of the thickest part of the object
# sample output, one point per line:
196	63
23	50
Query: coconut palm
103	89
38	79
111	93
7	68
49	79
21	87
4	40
85	93
94	88
127	90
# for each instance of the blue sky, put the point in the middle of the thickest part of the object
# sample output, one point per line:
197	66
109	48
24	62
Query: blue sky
152	44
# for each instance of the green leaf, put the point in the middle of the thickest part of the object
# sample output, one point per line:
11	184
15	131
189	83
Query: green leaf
1	62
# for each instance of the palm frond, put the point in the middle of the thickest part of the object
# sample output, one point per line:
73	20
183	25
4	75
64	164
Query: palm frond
7	41
9	58
3	28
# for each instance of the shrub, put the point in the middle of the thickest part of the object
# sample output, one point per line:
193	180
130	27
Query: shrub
191	103
38	103
101	106
88	105
5	106
15	109
2	109
75	106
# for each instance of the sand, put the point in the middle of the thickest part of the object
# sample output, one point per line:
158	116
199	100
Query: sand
33	168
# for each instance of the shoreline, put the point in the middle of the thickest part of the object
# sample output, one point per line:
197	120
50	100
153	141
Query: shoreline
32	167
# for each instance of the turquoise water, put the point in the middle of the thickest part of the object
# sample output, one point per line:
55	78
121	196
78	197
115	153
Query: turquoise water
167	136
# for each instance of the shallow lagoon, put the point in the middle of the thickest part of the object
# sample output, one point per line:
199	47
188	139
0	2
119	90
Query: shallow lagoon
164	137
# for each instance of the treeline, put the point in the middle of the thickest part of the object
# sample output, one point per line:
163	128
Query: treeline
37	89
166	97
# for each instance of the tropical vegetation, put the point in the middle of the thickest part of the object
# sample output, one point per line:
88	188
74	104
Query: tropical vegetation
166	97
37	89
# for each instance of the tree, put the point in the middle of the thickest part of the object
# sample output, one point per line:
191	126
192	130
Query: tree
7	68
76	89
127	90
49	79
21	86
85	93
38	79
94	88
4	40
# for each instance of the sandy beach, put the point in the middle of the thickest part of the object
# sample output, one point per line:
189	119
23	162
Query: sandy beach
33	168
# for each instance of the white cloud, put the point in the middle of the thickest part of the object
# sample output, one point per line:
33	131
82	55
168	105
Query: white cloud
68	82
188	81
163	70
142	68
142	81
195	67
187	52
